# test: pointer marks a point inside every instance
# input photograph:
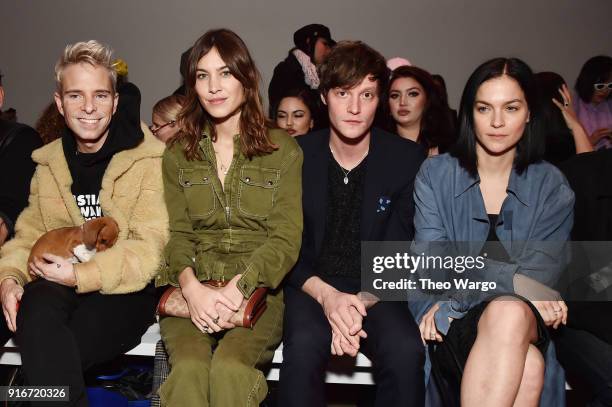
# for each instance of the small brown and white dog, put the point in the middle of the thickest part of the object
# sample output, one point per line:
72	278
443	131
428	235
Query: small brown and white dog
78	244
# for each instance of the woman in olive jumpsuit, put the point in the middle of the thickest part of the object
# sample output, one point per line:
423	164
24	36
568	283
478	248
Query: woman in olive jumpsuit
233	190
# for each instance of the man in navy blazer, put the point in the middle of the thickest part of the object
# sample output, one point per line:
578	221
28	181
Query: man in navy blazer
357	186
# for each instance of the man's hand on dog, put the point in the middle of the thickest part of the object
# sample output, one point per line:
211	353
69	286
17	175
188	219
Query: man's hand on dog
10	295
54	268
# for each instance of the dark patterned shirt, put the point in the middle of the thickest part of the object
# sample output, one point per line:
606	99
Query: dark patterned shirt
341	252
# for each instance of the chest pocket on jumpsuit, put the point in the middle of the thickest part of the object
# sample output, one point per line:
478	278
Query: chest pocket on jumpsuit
198	190
257	190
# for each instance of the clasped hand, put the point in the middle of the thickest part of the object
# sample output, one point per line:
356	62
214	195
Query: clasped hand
345	313
211	310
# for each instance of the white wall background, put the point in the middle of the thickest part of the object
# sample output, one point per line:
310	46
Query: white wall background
450	37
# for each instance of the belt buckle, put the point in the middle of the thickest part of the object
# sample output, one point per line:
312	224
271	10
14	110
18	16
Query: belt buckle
217	283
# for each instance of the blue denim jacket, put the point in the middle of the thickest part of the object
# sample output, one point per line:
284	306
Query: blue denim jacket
538	207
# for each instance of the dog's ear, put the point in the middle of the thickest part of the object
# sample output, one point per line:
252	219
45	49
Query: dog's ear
91	228
100	233
108	235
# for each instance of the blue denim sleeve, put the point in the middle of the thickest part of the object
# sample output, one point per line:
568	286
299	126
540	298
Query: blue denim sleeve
428	228
546	254
427	219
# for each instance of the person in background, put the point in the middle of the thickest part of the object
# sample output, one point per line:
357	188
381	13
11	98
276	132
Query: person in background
51	124
418	112
565	136
183	72
9	115
396	62
494	187
593	105
294	112
441	84
232	185
584	346
17	141
313	43
165	116
121	67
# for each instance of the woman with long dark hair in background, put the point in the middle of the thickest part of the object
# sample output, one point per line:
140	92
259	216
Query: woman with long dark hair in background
565	136
418	110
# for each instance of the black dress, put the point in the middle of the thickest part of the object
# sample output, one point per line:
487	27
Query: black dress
450	356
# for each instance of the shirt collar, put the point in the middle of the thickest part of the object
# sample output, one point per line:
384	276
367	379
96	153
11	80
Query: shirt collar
464	181
517	185
205	139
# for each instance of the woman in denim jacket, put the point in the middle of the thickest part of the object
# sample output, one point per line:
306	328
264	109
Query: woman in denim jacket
493	186
233	191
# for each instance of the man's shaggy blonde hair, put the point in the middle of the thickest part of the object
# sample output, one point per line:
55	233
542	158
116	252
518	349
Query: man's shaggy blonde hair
91	52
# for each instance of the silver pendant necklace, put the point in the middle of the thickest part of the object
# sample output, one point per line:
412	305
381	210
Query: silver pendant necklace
224	169
345	172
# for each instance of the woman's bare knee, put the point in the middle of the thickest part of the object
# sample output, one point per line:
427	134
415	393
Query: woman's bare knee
508	321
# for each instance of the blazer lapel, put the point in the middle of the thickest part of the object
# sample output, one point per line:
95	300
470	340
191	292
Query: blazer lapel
315	185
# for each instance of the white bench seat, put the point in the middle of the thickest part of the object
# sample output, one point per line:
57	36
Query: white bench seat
341	371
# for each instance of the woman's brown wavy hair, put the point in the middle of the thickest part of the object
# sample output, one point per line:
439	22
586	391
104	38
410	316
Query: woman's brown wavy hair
193	118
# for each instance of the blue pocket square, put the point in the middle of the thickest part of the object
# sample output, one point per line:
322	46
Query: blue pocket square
383	204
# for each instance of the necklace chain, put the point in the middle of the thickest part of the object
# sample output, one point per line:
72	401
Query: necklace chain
224	169
345	172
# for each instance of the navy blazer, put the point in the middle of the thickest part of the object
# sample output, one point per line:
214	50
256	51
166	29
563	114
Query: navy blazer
393	163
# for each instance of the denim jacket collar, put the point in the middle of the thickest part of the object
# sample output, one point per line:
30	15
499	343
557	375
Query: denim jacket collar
517	185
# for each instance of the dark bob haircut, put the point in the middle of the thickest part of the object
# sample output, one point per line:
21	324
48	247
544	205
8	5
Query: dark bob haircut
530	148
348	63
596	69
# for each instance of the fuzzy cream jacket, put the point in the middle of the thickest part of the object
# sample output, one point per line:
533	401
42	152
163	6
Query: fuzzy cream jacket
132	193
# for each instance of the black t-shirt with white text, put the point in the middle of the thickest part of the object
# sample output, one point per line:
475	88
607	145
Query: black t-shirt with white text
87	170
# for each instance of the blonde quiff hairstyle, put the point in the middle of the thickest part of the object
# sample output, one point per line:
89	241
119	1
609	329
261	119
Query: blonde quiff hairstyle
91	52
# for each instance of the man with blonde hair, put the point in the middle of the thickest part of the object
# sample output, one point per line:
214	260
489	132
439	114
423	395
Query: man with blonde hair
104	164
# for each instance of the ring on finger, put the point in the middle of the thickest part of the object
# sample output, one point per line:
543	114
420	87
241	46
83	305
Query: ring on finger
216	319
432	336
